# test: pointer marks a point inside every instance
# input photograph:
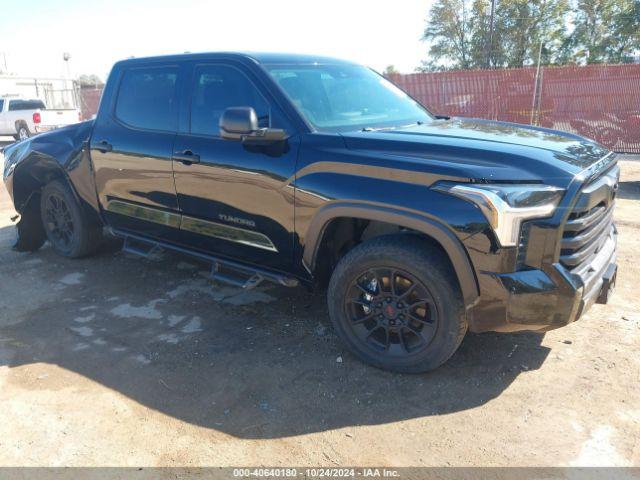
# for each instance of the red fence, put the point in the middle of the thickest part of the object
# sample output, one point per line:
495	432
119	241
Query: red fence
89	101
601	102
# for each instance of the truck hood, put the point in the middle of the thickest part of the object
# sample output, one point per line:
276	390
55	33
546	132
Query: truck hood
483	150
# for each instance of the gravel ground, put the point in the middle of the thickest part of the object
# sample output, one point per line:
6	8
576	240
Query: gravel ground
120	361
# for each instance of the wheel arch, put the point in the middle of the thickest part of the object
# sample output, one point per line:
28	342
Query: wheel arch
32	175
418	222
29	178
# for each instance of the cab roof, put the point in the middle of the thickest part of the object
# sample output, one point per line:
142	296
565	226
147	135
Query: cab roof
263	58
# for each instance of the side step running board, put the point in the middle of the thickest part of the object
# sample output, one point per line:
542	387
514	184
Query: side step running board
142	249
227	271
233	277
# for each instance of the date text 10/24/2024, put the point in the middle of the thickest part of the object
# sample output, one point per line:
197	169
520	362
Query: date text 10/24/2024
316	472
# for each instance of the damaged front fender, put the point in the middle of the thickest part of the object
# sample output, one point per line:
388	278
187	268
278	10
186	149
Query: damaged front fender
30	164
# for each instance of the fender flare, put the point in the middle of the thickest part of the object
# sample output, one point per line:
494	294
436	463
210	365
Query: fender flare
417	221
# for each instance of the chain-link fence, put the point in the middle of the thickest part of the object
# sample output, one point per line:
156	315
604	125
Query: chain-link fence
601	102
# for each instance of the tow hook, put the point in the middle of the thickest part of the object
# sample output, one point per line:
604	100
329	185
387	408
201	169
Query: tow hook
608	284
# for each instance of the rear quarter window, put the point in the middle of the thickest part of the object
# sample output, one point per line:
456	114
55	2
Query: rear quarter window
147	98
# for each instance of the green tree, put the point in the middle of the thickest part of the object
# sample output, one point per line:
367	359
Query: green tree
626	38
391	69
459	33
606	31
89	80
523	25
450	30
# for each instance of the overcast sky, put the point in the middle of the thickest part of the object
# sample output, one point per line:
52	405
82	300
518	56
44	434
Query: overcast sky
376	33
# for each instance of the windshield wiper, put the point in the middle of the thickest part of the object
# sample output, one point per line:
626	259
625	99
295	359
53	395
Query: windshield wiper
372	129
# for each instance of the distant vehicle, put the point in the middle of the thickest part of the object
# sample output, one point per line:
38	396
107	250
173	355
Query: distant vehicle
22	117
299	169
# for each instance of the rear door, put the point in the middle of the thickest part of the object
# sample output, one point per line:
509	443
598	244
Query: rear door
131	149
236	201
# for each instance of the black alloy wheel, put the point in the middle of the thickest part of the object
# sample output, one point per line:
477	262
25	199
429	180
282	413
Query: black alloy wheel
58	222
391	311
71	232
396	303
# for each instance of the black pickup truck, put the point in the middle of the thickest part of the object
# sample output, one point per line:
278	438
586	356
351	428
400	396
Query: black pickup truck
315	171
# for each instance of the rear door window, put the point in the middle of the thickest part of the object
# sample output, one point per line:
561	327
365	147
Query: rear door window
147	98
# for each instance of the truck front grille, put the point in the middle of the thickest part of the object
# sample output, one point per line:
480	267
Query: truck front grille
590	223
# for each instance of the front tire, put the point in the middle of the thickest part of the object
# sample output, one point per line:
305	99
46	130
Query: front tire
68	229
396	303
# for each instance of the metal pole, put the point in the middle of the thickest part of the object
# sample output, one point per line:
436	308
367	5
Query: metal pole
490	46
535	87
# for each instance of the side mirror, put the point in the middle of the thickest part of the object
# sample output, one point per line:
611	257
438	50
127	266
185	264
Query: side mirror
237	122
241	123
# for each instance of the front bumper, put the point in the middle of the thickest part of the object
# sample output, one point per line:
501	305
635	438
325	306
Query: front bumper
543	299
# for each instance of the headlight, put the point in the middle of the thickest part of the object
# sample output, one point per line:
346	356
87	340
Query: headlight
507	206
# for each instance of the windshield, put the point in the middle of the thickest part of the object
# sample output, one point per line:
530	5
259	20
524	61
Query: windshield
347	97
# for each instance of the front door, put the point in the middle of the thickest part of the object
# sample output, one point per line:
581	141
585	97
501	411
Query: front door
131	150
236	201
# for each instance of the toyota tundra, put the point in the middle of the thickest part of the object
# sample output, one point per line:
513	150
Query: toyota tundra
314	171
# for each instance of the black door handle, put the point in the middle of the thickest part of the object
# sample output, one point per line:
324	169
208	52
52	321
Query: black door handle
104	146
186	157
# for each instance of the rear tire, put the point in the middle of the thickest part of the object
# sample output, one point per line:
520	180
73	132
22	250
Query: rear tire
69	230
22	132
395	301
